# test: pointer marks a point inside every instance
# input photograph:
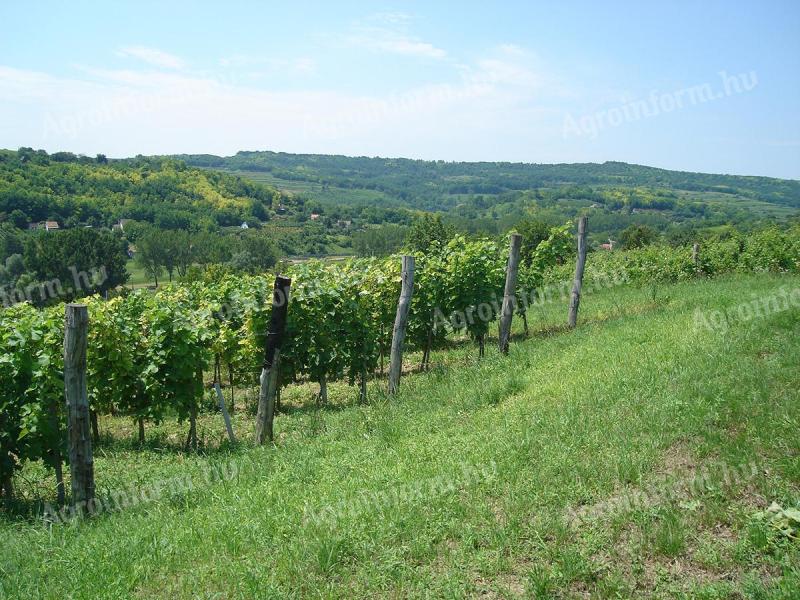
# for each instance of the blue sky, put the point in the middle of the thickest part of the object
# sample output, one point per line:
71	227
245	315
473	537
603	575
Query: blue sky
698	86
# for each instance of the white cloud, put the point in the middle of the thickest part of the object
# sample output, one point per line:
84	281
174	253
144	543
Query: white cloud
125	112
300	65
388	32
390	18
386	40
512	50
152	56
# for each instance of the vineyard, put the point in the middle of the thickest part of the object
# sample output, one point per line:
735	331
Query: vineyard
151	355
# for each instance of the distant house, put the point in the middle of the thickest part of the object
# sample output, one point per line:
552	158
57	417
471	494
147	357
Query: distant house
120	225
35	226
344	223
51	226
314	216
609	246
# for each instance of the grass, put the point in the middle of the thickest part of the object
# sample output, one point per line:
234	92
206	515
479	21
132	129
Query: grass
325	194
138	277
497	478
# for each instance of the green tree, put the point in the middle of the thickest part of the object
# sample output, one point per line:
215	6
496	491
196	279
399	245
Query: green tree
379	241
75	262
255	253
19	219
150	253
533	232
427	232
10	241
637	236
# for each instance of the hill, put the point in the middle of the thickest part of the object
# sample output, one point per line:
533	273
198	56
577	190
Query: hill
492	195
633	457
72	190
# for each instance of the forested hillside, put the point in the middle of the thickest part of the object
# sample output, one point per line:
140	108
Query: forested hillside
72	190
411	179
492	196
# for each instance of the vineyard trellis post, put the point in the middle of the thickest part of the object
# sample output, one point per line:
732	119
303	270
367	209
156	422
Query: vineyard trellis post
269	372
400	322
510	292
696	257
224	410
81	463
575	300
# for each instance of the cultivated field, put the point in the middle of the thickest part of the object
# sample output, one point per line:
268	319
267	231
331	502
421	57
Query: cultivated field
630	457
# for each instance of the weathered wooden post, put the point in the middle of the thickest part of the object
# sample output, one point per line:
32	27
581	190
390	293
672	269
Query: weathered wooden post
81	463
269	371
575	300
696	257
510	292
400	321
224	410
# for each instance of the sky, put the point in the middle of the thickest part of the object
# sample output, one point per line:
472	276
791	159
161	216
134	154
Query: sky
695	86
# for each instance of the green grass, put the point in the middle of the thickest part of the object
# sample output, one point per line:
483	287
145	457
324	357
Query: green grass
329	194
138	278
467	484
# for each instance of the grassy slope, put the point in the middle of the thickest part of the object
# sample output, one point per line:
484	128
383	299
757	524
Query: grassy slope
567	420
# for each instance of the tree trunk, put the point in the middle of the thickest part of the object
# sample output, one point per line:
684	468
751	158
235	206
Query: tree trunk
231	382
191	438
141	431
57	467
8	486
481	343
95	427
426	353
524	315
55	452
323	390
363	393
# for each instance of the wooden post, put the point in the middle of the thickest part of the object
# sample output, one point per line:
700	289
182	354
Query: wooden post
696	257
269	371
575	300
224	411
400	321
510	293
81	463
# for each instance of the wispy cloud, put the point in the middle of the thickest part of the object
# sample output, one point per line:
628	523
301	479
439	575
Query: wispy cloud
125	111
152	56
388	32
301	65
399	44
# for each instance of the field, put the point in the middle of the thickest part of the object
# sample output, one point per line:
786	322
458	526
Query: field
138	278
327	194
569	468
